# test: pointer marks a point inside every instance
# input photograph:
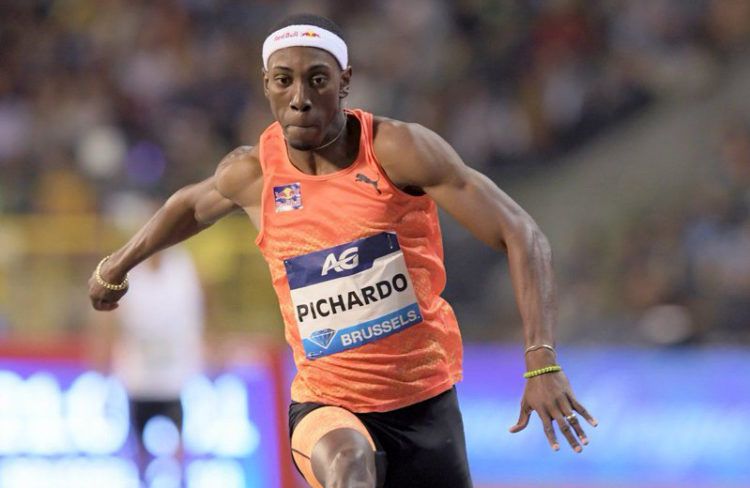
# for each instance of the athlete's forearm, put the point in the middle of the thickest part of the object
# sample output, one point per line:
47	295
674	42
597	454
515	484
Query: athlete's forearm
530	258
174	222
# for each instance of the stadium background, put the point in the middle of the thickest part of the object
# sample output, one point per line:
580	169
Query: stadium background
622	126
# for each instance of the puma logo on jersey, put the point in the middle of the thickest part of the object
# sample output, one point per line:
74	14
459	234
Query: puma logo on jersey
349	259
363	178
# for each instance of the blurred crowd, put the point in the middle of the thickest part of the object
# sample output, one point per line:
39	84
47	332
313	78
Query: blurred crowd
686	269
674	271
100	98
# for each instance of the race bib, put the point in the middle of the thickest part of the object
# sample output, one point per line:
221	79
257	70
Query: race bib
351	294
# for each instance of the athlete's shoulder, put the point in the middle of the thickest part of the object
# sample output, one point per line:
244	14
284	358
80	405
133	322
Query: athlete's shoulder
407	150
238	173
402	140
389	136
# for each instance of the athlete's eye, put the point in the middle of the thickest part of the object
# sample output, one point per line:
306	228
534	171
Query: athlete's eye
319	81
282	80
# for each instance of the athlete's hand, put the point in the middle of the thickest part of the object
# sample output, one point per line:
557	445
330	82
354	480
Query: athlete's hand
551	396
102	298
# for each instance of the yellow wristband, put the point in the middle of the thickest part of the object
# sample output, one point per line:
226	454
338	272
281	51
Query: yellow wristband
547	369
106	284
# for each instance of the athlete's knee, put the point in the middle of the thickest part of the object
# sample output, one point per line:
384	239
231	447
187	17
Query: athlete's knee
344	459
352	467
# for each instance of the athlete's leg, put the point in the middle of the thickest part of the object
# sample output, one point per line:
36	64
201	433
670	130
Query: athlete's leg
425	443
333	449
344	458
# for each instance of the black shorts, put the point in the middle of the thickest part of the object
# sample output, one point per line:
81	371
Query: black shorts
419	446
141	411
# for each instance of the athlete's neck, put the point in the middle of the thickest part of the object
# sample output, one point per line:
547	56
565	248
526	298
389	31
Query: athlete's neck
338	151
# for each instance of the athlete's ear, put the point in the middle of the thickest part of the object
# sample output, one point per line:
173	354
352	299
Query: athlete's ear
264	73
346	77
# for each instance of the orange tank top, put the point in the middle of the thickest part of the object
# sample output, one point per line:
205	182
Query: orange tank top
357	265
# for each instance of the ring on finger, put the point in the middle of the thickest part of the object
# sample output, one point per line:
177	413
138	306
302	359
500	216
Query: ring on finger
570	417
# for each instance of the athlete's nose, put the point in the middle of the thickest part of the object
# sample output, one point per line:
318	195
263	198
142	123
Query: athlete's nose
300	101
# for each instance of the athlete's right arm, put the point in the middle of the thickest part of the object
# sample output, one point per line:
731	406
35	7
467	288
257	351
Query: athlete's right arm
187	212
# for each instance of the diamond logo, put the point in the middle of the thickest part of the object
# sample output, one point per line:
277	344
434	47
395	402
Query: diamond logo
323	337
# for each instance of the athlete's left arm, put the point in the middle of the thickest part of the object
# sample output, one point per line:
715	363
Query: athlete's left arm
414	156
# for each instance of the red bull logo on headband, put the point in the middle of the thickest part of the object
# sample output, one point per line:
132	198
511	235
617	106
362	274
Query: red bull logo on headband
287	197
286	35
306	35
291	35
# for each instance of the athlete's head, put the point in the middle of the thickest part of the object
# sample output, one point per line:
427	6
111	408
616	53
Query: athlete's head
306	74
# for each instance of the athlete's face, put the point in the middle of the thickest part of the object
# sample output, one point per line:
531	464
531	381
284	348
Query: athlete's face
304	86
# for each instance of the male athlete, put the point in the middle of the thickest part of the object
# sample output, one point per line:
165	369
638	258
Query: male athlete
345	204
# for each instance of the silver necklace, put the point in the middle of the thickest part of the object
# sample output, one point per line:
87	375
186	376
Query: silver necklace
343	128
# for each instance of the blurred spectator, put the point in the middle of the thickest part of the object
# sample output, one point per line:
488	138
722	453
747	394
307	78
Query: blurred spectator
155	344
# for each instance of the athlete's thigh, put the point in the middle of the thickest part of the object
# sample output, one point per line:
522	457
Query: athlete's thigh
425	444
314	437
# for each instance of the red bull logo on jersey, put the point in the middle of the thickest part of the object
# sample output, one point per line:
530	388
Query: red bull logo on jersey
287	197
310	34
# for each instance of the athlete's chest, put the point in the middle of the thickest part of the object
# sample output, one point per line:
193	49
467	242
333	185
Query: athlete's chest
358	195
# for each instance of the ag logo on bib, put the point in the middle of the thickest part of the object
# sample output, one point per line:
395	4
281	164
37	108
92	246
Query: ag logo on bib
351	294
348	259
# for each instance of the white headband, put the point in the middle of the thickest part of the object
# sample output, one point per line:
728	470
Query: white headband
306	36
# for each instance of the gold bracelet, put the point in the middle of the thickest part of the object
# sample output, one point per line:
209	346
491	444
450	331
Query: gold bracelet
106	284
537	347
547	369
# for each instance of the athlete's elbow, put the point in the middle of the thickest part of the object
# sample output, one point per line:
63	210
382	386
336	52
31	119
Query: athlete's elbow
179	200
182	203
526	238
